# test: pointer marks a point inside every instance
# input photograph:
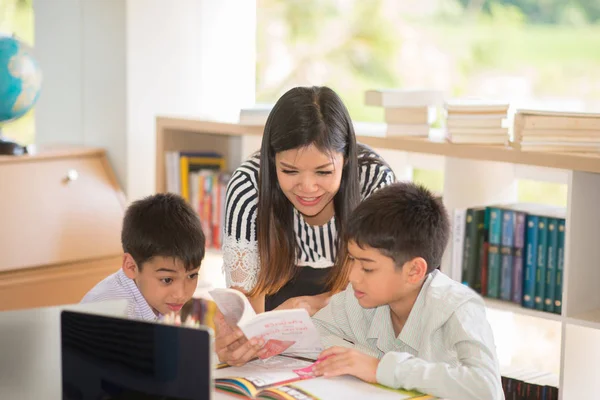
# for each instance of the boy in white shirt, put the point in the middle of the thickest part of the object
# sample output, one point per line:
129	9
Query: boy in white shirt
404	323
163	245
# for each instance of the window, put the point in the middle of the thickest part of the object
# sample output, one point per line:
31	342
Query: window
536	56
16	17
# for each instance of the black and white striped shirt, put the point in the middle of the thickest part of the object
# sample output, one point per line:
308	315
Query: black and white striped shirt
316	245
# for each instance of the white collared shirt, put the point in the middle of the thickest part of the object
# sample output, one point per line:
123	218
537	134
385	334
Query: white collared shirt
445	349
119	286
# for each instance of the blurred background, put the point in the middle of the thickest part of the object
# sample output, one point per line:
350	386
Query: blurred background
537	54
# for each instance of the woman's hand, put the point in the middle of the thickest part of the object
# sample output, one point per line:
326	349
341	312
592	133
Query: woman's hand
312	304
231	346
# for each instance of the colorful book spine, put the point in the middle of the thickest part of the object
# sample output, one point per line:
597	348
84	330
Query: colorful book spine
481	237
189	162
470	268
506	254
531	246
560	261
484	252
458	242
494	259
551	265
519	244
540	272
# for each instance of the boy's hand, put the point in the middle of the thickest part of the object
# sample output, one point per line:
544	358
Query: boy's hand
231	345
343	361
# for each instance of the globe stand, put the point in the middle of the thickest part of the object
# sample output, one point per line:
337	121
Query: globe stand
8	147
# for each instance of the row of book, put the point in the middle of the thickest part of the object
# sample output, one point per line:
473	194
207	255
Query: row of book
513	253
483	121
200	178
523	384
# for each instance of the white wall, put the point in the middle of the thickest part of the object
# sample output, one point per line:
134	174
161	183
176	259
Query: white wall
111	66
81	49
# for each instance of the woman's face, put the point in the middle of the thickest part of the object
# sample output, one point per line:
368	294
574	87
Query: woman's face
310	179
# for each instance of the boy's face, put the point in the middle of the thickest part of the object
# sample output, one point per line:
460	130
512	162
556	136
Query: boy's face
377	281
163	281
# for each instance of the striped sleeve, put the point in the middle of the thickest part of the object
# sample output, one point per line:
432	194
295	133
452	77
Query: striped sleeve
373	176
240	244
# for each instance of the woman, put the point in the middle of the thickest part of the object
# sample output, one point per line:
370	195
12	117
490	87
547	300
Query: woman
286	206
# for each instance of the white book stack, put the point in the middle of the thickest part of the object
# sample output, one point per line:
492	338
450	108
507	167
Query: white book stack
407	112
557	131
477	121
255	115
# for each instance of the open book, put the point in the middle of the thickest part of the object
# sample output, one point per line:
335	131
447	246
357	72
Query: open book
289	331
288	378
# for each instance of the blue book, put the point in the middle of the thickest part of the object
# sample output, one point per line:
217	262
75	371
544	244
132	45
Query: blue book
551	264
518	257
506	254
494	259
540	269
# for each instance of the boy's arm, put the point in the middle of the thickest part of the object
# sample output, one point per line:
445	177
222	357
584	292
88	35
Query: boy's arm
333	323
476	377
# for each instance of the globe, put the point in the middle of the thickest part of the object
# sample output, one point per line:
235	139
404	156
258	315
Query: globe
20	82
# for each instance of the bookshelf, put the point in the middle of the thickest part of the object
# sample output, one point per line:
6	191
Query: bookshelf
473	175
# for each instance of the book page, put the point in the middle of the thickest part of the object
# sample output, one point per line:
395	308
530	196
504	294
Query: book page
349	387
234	305
284	331
261	374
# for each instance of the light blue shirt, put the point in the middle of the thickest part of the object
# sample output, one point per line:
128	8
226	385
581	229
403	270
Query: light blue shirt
445	349
119	286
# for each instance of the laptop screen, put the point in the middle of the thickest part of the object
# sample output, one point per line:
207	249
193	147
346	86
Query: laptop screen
107	358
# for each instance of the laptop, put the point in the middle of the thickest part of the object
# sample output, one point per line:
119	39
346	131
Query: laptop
30	348
110	358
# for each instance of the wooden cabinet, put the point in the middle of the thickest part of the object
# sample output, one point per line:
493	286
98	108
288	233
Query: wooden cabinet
60	223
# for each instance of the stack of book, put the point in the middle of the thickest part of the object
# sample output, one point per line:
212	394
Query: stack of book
512	252
201	179
407	112
474	121
557	131
520	383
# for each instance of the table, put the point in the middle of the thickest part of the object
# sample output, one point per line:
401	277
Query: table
30	357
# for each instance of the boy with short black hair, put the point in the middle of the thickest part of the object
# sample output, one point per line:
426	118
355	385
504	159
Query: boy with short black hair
404	323
163	243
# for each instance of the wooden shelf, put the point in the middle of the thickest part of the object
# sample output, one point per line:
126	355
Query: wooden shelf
588	162
212	127
54	152
589	319
518	309
473	174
